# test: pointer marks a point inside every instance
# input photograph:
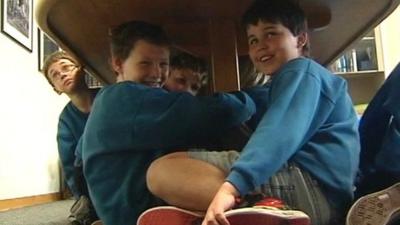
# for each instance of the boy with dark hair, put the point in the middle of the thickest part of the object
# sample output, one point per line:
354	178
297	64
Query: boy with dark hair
66	75
134	121
309	106
306	146
188	73
140	67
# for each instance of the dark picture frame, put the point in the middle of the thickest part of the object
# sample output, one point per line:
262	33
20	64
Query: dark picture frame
46	47
17	21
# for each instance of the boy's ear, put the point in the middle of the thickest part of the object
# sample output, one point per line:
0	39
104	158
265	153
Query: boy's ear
302	40
116	64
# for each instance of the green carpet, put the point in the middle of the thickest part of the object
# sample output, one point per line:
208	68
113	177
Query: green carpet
54	213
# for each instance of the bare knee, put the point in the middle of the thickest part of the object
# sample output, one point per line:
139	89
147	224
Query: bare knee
158	172
173	155
153	175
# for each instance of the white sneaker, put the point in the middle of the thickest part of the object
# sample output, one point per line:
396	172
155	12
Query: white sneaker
263	216
376	208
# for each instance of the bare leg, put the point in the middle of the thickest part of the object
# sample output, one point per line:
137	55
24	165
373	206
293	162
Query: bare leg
184	182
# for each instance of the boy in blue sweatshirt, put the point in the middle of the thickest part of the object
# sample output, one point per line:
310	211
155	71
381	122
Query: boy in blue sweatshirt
66	76
305	149
311	110
380	138
378	182
135	121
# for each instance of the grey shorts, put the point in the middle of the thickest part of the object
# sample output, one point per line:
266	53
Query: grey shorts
223	160
296	187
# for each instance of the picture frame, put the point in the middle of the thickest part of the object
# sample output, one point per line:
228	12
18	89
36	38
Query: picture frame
46	47
92	82
17	21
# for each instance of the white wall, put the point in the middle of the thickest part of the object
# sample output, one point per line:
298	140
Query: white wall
390	34
28	124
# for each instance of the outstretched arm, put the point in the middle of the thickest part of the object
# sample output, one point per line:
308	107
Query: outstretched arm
142	118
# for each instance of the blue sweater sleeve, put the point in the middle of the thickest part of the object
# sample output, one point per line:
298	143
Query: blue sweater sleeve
380	129
389	153
387	159
66	147
127	115
281	132
70	128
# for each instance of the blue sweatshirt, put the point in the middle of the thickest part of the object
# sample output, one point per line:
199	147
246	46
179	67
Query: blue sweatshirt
70	128
310	121
259	94
380	130
131	125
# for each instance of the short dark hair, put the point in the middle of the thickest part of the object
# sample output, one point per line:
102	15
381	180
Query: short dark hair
287	12
124	37
53	58
186	61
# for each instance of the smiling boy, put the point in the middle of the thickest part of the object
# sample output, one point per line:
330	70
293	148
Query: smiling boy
304	150
312	110
135	121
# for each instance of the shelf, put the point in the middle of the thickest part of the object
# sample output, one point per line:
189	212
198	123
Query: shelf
363	85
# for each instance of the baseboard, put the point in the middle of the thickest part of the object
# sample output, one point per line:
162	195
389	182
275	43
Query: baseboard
29	201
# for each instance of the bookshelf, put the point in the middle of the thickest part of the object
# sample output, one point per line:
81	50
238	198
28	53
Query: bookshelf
362	67
364	56
92	82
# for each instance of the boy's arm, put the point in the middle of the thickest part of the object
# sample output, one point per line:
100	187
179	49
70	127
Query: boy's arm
66	148
192	121
128	116
387	159
281	132
389	153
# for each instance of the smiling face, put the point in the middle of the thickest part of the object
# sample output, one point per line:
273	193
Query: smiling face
271	45
65	76
146	64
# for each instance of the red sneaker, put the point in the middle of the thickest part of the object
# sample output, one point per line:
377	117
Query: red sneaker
170	215
254	216
266	216
271	203
268	210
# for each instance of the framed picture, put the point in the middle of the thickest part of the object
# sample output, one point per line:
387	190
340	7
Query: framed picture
92	82
46	48
16	21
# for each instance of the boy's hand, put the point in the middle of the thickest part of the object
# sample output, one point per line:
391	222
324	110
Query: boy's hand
223	201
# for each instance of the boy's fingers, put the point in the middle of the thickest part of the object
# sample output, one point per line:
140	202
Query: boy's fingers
215	219
220	217
209	221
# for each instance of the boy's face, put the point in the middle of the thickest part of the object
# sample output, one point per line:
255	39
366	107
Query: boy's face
183	80
147	64
65	76
272	45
